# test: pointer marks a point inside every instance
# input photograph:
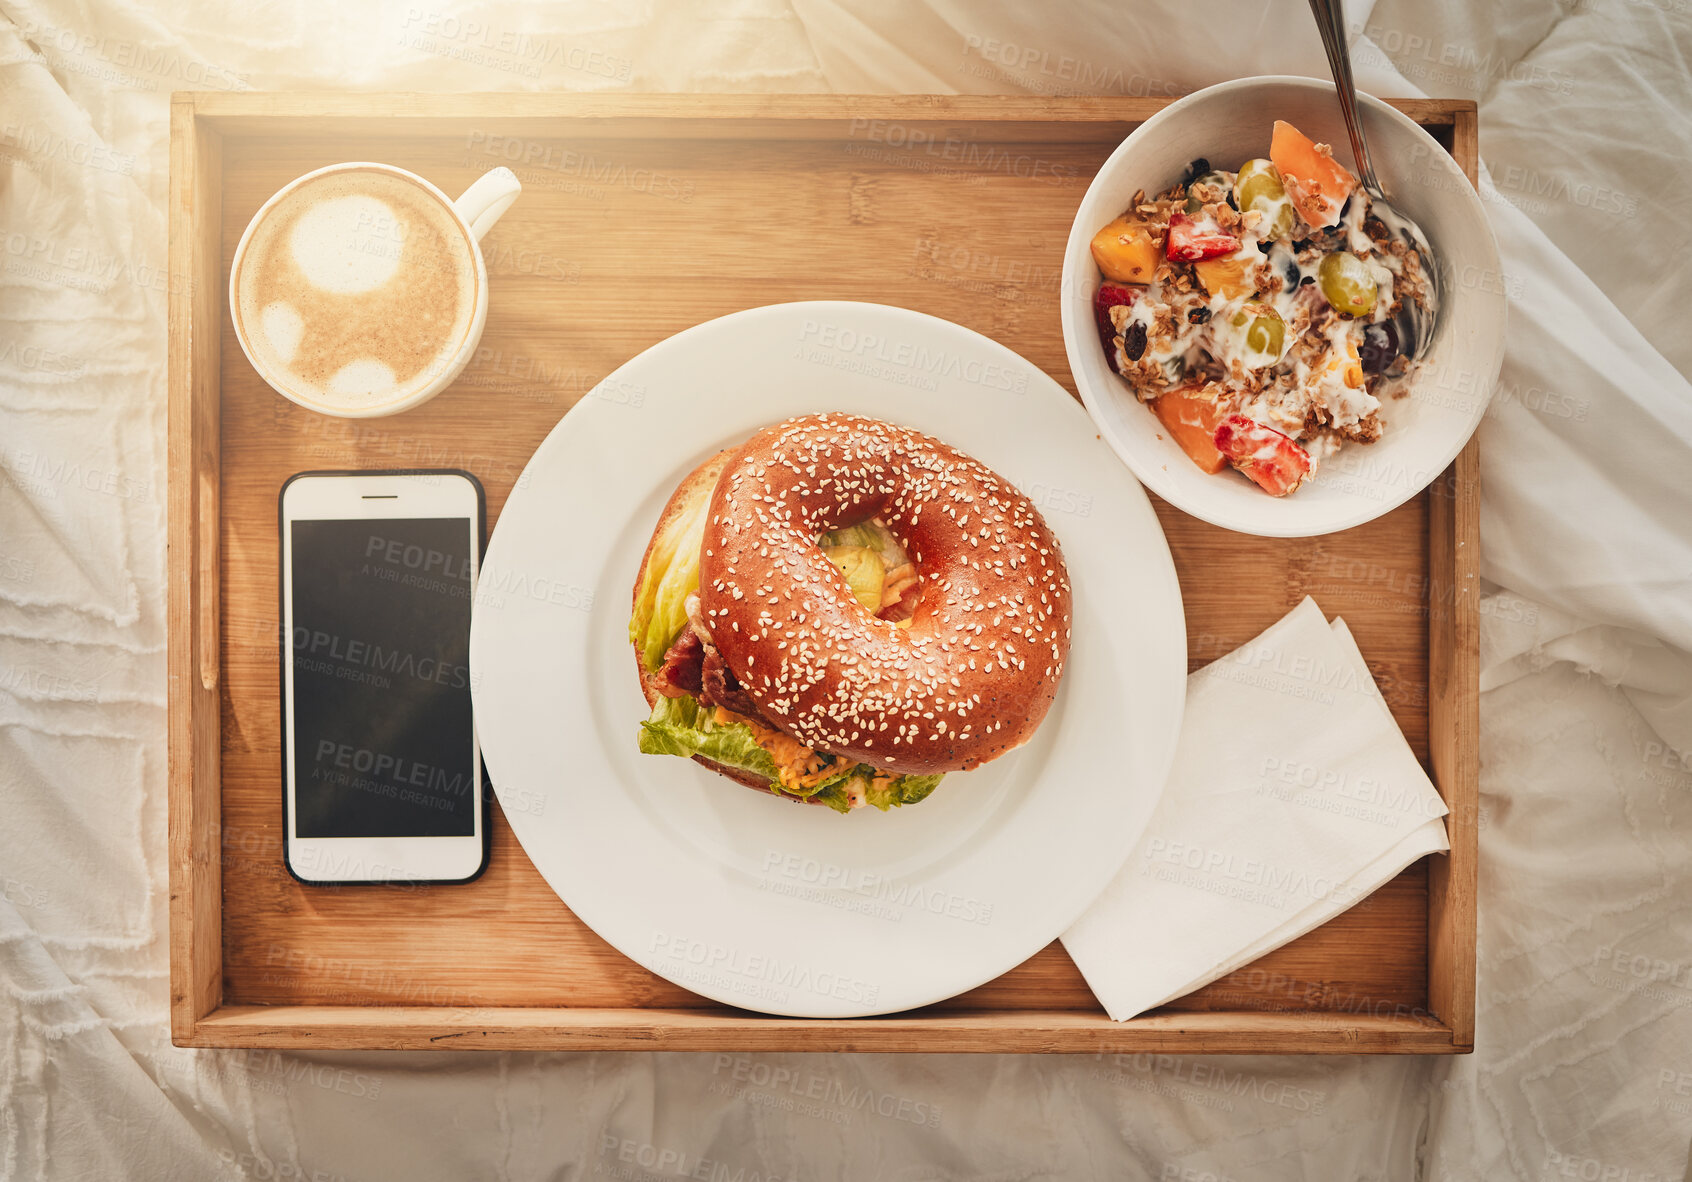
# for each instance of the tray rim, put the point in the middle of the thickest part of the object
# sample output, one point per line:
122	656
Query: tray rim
199	1017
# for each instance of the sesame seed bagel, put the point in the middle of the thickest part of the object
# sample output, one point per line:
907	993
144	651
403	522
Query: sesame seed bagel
973	674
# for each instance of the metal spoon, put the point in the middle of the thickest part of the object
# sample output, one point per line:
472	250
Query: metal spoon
1415	325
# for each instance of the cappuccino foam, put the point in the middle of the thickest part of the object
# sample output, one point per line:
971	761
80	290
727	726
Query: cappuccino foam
356	289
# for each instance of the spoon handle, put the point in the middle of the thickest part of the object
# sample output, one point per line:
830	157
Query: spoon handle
1330	20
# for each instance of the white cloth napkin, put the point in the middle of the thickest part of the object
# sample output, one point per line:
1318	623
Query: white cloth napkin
1293	795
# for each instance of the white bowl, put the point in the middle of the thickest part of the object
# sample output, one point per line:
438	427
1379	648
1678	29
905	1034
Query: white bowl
1424	431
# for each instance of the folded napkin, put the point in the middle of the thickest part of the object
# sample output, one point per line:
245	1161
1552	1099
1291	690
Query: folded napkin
1293	795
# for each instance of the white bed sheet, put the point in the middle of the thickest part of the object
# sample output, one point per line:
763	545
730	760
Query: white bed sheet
1583	1065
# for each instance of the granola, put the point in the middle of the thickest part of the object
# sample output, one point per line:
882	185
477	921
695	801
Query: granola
1276	296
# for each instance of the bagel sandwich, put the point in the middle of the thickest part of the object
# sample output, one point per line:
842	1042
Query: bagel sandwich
840	611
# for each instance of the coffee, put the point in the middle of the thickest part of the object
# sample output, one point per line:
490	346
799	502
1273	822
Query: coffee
357	289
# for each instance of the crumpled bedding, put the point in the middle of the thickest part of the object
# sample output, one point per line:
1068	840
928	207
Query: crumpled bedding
1583	1060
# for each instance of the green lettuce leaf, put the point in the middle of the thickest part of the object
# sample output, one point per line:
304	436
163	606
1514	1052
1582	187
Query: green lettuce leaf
833	794
681	726
852	535
905	790
660	611
863	571
871	535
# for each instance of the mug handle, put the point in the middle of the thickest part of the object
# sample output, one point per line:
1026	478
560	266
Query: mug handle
483	203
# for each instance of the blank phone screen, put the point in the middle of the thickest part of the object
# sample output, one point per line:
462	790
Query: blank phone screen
380	646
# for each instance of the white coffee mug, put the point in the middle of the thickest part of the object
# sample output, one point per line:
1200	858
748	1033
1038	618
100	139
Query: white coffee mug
475	213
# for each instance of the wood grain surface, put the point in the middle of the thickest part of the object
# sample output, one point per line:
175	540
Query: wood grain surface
632	227
1454	706
1028	1031
192	663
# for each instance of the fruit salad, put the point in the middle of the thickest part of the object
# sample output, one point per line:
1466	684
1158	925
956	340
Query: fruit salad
1264	314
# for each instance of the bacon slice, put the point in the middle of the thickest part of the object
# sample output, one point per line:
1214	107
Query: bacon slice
720	687
683	667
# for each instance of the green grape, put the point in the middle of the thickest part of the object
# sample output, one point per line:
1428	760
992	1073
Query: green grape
1259	187
1258	178
1347	284
1277	219
1265	331
1209	178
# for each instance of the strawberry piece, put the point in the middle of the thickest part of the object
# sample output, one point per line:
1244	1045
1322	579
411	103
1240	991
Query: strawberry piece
1274	460
1111	295
1191	241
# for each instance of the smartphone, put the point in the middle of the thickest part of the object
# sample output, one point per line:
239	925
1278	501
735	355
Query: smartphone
381	773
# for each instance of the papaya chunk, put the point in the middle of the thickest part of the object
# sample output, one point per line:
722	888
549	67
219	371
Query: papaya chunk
1317	183
1191	420
1126	251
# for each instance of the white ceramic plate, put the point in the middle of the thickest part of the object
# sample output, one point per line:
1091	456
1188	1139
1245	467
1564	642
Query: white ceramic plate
751	900
1229	124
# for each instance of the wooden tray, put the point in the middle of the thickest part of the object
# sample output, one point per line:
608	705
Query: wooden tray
643	215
